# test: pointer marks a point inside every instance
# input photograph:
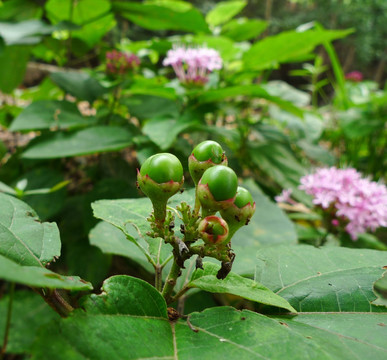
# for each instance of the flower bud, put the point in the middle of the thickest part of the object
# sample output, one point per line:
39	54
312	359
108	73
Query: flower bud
160	177
205	155
213	230
217	188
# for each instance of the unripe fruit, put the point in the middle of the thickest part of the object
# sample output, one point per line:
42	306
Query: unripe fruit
205	155
213	230
217	188
240	212
160	177
162	168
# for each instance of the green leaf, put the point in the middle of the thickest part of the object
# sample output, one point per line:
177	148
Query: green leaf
163	15
23	238
268	226
129	215
248	90
39	276
326	279
380	289
24	33
111	240
222	332
82	142
43	191
29	313
19	10
49	114
121	295
224	11
79	84
94	17
236	285
287	46
226	47
148	106
163	131
244	29
13	63
279	163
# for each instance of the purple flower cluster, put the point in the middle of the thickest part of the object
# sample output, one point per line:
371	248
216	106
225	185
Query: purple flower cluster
355	202
119	63
193	65
355	76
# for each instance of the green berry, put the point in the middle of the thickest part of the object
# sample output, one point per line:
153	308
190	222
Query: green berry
205	155
222	182
240	212
160	177
209	150
162	168
243	197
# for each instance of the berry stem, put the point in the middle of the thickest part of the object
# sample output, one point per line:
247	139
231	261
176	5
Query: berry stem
170	283
160	212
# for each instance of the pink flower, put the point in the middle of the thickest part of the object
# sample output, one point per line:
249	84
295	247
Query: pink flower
193	65
355	76
119	63
359	202
284	197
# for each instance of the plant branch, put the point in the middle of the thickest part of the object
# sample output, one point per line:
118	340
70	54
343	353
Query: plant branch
56	302
171	281
8	321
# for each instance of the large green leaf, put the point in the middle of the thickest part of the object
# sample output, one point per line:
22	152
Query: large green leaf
42	189
121	295
254	91
49	114
163	131
24	32
149	106
243	29
380	288
279	163
94	17
111	240
87	141
225	46
287	46
29	313
23	238
268	226
129	332
13	63
79	84
39	276
163	15
236	285
129	215
19	10
326	279
224	11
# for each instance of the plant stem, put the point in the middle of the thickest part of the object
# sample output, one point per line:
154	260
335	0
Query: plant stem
170	283
56	301
180	293
158	277
8	321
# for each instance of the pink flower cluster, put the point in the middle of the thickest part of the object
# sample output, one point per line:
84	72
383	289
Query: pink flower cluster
119	63
355	76
356	202
193	65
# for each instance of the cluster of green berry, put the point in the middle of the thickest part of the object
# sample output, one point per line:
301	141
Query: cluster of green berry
217	190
